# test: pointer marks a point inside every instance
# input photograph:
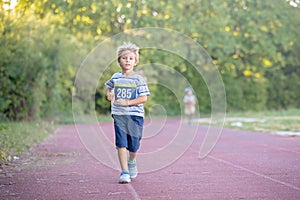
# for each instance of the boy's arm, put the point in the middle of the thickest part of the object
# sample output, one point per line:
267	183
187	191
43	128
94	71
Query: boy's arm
133	102
110	94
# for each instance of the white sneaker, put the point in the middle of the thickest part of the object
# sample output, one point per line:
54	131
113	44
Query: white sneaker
133	172
124	178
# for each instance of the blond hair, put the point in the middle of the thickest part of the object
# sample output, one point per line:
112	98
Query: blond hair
128	46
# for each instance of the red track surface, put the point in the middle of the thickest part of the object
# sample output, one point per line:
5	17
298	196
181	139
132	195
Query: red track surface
243	165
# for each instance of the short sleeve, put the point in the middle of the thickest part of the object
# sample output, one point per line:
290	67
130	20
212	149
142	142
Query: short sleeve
109	84
142	88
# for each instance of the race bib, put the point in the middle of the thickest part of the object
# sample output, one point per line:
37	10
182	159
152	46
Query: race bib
125	91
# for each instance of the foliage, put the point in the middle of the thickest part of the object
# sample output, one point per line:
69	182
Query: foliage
36	72
254	43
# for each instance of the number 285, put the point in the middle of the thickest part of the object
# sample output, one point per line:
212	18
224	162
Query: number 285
123	93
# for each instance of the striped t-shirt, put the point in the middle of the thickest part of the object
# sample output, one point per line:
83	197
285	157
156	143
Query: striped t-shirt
128	87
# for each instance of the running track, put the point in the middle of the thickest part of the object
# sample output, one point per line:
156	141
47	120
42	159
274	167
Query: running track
243	165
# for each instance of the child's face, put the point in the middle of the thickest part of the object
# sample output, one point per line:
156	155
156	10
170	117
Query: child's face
128	60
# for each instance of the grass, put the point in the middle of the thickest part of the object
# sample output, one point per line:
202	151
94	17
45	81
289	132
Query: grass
68	119
17	137
264	121
268	113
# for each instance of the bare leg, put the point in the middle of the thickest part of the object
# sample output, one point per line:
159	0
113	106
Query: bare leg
122	154
132	156
189	119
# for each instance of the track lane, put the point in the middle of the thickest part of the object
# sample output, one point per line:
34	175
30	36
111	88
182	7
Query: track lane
243	165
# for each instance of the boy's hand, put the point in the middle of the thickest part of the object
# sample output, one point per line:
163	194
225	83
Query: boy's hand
122	102
110	95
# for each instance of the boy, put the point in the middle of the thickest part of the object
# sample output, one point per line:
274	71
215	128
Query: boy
128	92
189	101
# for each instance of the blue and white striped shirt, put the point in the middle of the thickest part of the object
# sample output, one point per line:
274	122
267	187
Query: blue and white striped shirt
128	87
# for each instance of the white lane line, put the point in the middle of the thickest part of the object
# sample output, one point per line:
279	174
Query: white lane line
133	192
272	146
288	150
255	173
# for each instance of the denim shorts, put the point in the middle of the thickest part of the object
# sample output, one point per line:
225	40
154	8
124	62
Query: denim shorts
128	131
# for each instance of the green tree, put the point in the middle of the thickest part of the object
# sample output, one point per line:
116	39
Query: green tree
255	45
